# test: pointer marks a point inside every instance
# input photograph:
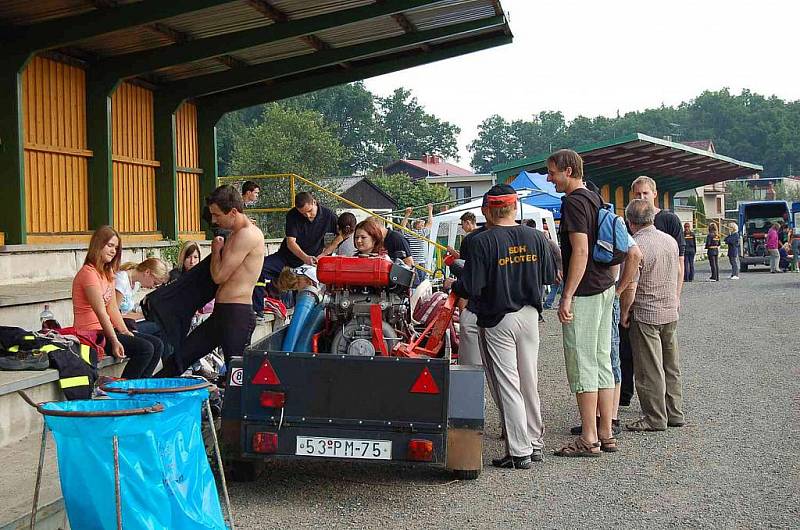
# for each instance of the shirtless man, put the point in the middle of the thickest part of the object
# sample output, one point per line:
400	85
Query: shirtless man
235	270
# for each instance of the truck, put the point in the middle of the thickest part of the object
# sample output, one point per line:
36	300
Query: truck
359	383
755	219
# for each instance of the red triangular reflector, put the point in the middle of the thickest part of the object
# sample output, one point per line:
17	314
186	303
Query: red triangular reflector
266	375
425	383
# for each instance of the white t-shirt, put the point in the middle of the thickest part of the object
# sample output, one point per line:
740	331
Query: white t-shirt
122	284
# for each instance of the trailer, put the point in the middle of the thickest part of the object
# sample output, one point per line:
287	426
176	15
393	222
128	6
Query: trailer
379	387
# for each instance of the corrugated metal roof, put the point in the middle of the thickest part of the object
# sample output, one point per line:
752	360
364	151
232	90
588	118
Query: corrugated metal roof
243	15
23	12
381	28
296	9
617	162
274	51
125	41
227	18
450	12
183	71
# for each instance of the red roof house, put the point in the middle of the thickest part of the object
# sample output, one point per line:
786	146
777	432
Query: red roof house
429	166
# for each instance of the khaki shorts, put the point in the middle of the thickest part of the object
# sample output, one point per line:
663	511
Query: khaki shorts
587	343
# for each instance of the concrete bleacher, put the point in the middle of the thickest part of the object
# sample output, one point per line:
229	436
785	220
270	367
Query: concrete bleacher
30	277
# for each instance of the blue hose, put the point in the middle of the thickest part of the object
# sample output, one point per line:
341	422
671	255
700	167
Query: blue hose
303	306
313	325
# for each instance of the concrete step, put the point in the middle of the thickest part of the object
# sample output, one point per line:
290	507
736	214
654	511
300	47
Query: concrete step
20	438
18	481
17	419
21	304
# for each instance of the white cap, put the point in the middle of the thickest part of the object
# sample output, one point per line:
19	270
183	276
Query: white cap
309	271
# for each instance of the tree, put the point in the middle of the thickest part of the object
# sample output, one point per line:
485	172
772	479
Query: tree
746	126
352	111
288	140
411	132
738	191
408	192
496	144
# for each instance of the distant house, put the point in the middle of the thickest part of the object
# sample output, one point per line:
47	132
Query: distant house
362	192
712	195
429	166
465	186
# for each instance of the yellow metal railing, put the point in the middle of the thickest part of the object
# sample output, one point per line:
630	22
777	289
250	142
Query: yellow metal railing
293	178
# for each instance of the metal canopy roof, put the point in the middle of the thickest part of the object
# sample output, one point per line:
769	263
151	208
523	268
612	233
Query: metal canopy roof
191	48
674	166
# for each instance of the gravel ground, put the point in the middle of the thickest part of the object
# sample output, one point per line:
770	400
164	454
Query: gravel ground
735	464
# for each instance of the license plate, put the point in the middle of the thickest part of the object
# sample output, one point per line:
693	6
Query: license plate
344	448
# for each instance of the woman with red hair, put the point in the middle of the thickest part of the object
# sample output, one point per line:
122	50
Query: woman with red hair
95	309
369	238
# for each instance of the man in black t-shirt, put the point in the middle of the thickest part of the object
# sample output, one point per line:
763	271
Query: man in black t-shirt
505	267
586	308
397	246
669	223
645	188
311	232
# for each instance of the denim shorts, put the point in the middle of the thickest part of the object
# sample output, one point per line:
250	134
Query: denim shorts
615	364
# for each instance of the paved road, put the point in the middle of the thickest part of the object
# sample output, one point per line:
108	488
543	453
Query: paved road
735	464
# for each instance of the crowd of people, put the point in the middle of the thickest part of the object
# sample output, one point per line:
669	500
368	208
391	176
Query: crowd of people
619	322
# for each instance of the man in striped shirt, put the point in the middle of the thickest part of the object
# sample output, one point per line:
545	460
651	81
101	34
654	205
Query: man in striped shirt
419	247
653	328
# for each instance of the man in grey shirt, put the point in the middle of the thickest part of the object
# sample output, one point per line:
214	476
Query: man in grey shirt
653	326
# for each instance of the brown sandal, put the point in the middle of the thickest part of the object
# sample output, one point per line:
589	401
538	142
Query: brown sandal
608	445
579	448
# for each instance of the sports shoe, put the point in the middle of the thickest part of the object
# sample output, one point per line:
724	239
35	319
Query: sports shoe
512	462
734	277
537	455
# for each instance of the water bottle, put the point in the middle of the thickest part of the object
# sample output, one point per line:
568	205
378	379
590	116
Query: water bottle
48	319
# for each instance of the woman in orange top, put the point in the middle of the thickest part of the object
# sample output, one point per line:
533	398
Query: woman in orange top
95	309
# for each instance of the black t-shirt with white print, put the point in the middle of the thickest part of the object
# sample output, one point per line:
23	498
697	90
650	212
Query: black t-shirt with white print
505	267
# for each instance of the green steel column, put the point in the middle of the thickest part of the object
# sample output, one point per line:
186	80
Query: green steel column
166	175
207	119
98	136
12	154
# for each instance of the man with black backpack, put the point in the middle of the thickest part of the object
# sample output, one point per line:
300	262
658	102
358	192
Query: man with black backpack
586	307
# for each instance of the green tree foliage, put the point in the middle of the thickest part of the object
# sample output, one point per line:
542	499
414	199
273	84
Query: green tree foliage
372	131
738	191
352	111
287	140
746	126
412	132
408	192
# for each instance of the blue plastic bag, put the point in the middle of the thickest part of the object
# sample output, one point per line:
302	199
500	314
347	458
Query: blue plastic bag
187	475
86	464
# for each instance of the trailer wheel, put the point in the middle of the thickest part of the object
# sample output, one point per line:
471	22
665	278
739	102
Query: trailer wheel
244	470
466	474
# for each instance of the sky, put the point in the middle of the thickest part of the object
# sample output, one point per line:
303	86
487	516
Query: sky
591	57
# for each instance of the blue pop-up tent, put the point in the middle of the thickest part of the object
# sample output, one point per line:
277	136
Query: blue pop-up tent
545	195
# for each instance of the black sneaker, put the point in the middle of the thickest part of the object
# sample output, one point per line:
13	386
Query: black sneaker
537	455
616	428
512	462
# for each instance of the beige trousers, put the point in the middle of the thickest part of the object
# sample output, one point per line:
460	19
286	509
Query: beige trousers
657	367
511	352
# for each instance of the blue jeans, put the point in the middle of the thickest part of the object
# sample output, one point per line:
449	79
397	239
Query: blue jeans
551	298
616	368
